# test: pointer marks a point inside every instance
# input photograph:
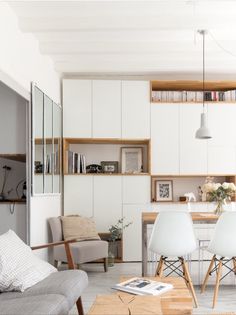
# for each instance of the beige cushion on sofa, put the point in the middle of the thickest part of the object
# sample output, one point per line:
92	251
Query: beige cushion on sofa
79	228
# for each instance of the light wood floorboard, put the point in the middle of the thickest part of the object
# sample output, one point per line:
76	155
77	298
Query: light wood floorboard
101	282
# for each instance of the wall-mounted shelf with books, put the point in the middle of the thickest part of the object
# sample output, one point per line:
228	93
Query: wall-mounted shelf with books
105	155
191	92
175	186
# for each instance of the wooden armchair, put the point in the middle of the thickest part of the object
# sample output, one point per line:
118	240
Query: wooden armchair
70	261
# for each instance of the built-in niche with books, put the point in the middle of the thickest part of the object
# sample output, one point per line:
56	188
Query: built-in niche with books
106	156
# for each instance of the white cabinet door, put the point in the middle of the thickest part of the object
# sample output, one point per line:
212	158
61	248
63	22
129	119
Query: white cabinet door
107	201
222	160
193	152
77	108
136	189
135	109
221	122
132	235
78	195
106	109
165	139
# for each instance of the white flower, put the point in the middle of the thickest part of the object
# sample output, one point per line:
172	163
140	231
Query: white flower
225	185
208	187
232	187
216	186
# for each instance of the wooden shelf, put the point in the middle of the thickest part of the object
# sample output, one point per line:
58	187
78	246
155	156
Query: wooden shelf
107	174
86	146
184	85
180	178
22	201
14	157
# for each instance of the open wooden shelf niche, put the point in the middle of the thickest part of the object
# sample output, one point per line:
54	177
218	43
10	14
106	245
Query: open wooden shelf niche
191	86
188	183
97	150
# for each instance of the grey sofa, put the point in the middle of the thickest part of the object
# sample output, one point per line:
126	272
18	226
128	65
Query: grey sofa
83	251
54	295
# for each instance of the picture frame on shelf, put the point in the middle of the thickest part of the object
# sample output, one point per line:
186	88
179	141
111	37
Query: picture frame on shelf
109	167
131	160
163	190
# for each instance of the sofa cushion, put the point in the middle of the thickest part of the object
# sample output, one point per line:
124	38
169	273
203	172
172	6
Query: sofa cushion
69	283
19	267
79	228
83	251
50	304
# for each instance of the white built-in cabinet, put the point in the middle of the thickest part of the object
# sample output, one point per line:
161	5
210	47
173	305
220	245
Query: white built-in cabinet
78	195
107	201
135	110
222	146
193	152
106	104
136	189
165	139
106	109
77	108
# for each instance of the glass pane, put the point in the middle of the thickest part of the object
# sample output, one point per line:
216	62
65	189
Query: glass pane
38	141
48	135
57	147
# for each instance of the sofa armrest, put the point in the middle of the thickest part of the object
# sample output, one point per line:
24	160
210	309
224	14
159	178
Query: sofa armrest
70	261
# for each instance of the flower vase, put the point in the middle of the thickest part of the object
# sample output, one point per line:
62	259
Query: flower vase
219	209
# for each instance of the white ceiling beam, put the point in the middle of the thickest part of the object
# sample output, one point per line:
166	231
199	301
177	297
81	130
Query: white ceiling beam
112	23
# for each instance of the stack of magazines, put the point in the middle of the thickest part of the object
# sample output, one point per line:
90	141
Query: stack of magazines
75	163
142	286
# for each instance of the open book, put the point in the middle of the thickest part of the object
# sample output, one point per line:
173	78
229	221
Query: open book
142	286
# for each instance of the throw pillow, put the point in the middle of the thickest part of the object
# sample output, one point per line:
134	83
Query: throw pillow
19	267
79	228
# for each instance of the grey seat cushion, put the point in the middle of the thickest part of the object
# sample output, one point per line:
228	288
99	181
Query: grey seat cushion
50	304
68	283
83	251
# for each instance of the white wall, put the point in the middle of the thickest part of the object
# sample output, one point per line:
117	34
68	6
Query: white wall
20	59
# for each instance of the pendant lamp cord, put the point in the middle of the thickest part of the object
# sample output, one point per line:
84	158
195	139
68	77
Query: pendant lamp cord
203	71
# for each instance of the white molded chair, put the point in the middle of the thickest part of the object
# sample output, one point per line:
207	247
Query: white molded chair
173	236
223	245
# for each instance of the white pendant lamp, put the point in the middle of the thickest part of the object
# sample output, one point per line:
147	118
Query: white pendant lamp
203	132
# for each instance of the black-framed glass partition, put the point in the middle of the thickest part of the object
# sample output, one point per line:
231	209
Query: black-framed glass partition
46	144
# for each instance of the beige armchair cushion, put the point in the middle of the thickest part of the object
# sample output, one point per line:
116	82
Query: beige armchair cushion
79	228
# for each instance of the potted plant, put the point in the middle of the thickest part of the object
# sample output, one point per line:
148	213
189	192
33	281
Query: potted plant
219	193
115	240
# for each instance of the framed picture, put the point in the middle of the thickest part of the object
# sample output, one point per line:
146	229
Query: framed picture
164	190
109	167
131	160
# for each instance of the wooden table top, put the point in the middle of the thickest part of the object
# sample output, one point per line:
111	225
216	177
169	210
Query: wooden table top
150	217
176	301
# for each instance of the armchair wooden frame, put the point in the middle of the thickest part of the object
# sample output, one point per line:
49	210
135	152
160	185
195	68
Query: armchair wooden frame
70	261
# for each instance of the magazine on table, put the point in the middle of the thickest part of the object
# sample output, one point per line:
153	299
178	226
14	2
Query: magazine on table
142	286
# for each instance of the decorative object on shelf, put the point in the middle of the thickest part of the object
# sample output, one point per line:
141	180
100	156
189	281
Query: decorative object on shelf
219	193
182	199
5	176
190	196
115	238
110	167
131	160
163	190
94	168
203	132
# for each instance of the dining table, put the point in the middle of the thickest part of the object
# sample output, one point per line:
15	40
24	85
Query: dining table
148	218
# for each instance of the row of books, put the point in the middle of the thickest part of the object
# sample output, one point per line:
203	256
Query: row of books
52	163
191	96
75	163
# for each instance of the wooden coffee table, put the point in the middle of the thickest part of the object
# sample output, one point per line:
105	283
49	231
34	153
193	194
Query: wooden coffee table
174	302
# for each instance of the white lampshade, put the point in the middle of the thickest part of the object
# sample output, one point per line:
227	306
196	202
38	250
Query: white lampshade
203	132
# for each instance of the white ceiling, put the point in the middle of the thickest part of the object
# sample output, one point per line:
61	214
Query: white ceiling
133	37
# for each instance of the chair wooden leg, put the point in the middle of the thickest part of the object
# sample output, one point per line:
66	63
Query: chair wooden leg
160	267
218	276
80	306
234	264
105	262
208	274
190	284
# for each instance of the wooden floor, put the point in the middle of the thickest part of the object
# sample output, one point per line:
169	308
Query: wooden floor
100	283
